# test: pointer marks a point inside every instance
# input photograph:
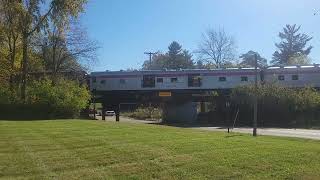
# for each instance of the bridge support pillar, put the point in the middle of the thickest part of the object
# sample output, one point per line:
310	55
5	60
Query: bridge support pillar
117	111
180	112
202	107
103	111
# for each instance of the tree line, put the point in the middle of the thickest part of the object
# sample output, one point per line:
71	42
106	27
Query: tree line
41	42
217	49
277	106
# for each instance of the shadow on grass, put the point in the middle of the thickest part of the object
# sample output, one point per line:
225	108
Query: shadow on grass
58	119
38	118
15	118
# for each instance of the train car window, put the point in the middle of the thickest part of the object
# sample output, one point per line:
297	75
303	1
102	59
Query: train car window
102	81
281	77
159	80
295	77
149	81
122	81
244	78
194	80
222	79
94	79
174	80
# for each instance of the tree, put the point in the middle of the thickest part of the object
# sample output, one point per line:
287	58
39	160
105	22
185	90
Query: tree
292	44
200	65
174	49
66	50
39	35
35	15
4	71
248	60
279	105
10	38
217	48
175	58
299	59
64	99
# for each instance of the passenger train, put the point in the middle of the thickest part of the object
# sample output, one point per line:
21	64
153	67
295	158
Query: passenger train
203	79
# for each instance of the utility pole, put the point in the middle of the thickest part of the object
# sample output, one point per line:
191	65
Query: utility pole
94	105
255	103
150	55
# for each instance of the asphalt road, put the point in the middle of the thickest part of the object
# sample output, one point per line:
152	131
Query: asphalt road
300	133
125	119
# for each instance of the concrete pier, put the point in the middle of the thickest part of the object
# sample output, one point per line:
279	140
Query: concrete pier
180	112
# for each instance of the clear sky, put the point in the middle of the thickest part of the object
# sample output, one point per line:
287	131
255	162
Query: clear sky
126	29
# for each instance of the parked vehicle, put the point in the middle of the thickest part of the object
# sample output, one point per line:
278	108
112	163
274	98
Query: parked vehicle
110	113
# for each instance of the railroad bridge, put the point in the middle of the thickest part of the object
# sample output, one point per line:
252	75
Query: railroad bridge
177	91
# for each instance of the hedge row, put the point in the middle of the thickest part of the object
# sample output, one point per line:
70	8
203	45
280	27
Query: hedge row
45	100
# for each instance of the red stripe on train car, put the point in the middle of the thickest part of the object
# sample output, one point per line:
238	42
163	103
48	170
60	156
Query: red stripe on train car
292	72
179	75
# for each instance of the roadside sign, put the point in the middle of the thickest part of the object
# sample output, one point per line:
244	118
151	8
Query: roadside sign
165	94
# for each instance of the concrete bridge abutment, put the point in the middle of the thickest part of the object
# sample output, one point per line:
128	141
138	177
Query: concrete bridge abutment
179	112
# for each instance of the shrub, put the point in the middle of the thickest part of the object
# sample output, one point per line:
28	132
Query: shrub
278	105
64	99
8	96
143	113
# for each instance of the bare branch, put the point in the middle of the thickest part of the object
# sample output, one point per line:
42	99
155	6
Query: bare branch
68	49
216	47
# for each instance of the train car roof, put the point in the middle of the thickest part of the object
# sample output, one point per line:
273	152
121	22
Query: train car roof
197	71
146	72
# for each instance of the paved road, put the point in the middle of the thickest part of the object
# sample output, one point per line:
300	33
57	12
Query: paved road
300	133
125	119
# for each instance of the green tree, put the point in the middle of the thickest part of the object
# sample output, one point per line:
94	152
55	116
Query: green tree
248	60
175	49
299	59
64	99
292	44
9	39
38	14
175	58
293	104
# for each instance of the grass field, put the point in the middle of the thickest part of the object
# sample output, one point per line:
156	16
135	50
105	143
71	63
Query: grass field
74	149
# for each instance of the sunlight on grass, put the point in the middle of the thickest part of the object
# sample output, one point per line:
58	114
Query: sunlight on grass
74	149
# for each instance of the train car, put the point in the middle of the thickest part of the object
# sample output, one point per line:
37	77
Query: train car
194	84
200	80
172	79
294	76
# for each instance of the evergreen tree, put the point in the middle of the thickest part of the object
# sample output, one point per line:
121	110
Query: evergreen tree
248	60
292	44
175	58
174	49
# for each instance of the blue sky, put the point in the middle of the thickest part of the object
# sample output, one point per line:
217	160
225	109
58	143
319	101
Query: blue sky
127	28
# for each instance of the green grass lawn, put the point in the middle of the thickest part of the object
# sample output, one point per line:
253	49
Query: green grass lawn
80	149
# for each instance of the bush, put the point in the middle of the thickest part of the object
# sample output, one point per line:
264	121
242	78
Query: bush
64	99
8	96
278	105
144	113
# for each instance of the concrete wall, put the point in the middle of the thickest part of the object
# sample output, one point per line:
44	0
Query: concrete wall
180	112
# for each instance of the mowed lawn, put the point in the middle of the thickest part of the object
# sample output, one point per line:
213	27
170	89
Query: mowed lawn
83	149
